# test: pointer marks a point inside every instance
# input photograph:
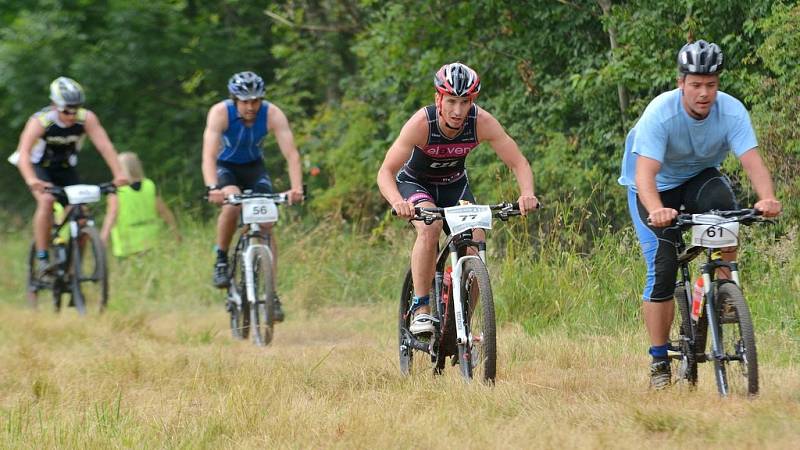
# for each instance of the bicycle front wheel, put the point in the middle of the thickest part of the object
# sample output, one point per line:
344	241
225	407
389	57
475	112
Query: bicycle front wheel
478	356
262	316
89	273
740	362
238	305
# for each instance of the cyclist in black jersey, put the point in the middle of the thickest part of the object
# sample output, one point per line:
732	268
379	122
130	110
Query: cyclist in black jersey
425	167
48	153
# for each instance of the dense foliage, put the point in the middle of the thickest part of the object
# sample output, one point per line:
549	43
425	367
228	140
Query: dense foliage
566	78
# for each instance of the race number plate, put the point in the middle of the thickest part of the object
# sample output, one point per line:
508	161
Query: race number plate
714	231
82	193
461	218
259	210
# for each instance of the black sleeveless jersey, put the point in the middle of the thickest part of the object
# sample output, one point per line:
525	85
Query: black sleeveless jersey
441	159
59	145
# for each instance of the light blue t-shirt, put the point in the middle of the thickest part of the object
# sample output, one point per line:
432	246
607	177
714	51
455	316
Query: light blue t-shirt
683	145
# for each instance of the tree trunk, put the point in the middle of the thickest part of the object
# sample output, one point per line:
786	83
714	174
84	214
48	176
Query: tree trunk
622	93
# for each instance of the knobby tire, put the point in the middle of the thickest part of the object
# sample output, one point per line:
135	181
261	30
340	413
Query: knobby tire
478	356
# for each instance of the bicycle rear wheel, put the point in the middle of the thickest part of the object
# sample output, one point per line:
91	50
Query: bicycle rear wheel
33	285
740	364
262	315
238	305
89	281
403	322
684	364
478	356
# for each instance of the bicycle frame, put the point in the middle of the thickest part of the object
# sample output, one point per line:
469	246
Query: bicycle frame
248	254
457	264
254	215
711	308
66	271
454	250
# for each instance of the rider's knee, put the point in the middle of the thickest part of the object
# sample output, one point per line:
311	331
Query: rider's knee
429	232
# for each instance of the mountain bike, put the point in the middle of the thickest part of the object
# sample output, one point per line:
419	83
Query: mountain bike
461	296
251	294
77	262
721	312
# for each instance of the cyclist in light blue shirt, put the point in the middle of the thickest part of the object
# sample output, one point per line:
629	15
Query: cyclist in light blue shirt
671	161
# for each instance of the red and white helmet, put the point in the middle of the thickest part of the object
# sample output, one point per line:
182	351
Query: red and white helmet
458	80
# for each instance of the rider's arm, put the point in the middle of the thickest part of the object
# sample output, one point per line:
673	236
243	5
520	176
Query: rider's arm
762	183
33	131
168	216
104	146
490	130
414	132
279	124
646	171
112	209
216	123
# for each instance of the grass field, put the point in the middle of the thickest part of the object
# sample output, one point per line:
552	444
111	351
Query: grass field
160	370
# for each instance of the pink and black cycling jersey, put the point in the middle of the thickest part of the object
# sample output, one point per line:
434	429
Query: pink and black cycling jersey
441	159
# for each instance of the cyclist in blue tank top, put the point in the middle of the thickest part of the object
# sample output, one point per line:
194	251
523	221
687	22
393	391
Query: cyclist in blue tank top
241	144
671	161
233	160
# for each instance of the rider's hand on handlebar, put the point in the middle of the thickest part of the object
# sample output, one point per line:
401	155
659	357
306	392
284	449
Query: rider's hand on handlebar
294	196
769	207
662	217
216	196
37	185
120	180
404	209
527	203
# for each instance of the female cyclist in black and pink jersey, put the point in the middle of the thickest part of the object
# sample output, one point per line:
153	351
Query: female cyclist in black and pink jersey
425	167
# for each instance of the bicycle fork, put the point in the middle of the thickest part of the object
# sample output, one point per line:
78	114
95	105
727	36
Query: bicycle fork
717	350
248	257
458	308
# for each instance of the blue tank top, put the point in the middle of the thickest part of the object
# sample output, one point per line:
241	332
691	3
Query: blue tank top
242	144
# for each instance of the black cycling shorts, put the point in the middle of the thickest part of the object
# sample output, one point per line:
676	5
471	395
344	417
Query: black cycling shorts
441	195
252	176
706	191
59	176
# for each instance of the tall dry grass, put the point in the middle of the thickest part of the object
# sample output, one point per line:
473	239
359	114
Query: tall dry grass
161	370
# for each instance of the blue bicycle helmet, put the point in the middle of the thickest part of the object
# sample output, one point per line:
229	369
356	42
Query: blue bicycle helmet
246	86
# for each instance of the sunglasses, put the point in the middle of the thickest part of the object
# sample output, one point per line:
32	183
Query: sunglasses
69	111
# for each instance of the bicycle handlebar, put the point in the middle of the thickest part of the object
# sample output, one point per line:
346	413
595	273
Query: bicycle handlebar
105	188
503	211
746	216
236	199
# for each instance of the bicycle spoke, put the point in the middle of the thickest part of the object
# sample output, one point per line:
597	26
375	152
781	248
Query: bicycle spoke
738	341
481	328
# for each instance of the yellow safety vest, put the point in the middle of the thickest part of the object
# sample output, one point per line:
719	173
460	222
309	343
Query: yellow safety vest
137	224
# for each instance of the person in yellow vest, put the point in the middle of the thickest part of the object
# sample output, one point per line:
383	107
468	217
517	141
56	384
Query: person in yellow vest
132	215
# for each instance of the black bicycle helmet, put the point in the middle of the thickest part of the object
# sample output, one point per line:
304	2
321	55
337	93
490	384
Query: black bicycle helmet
66	92
700	58
458	80
246	86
